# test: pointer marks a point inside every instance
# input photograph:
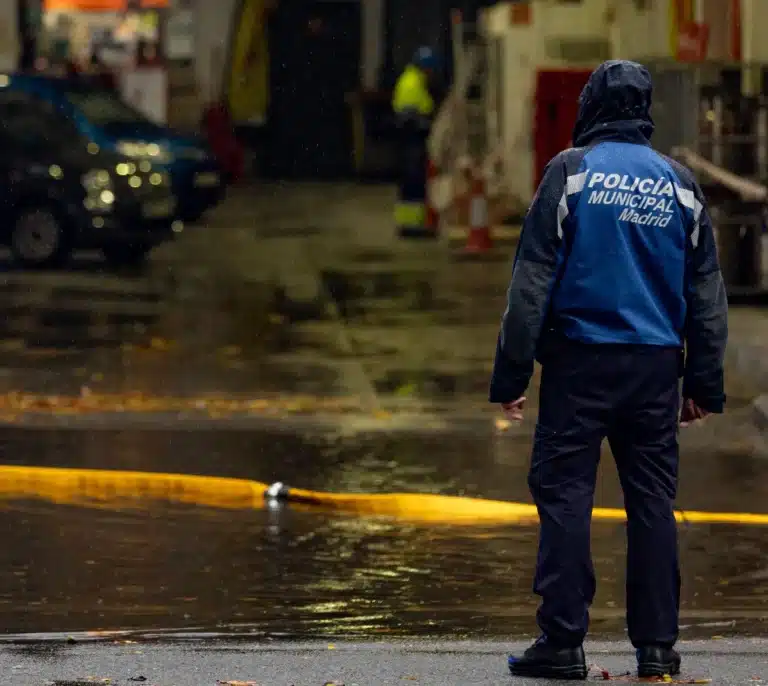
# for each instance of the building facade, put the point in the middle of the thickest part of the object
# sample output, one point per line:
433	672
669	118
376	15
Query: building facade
545	50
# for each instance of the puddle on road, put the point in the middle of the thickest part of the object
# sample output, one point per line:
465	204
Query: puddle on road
81	308
283	572
416	332
147	332
432	383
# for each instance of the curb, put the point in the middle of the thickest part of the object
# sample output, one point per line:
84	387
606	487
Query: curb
406	422
402	644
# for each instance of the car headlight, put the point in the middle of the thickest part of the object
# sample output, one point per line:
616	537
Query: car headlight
152	151
97	180
99	195
160	179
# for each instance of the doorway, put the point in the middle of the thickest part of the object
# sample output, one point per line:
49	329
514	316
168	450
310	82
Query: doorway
314	65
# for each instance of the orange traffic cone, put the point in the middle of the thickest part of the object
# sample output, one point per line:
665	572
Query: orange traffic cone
479	239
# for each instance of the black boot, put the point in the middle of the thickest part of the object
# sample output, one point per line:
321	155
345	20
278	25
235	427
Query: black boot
548	661
657	661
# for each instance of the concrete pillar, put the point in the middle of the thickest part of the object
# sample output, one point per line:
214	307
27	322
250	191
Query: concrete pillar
9	35
213	22
371	59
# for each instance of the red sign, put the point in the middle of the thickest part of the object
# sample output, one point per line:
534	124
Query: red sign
692	41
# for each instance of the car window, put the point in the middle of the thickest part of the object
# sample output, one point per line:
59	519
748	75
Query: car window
32	122
104	107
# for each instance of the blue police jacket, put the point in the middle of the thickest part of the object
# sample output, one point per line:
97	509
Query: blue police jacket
617	247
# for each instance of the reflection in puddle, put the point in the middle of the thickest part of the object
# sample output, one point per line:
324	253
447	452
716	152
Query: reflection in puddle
287	572
284	572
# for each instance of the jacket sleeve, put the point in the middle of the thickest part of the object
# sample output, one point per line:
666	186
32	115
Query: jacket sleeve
707	319
533	276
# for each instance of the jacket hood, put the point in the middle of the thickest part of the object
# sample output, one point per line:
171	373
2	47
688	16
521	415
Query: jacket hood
615	104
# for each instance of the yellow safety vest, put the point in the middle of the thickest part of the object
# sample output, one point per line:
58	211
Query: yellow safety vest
411	93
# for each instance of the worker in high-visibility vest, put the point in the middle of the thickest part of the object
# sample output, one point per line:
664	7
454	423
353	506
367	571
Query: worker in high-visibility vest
414	108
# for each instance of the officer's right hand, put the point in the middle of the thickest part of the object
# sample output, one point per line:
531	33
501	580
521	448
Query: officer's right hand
691	412
514	411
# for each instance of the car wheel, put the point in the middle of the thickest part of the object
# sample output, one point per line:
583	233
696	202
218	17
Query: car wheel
40	239
126	255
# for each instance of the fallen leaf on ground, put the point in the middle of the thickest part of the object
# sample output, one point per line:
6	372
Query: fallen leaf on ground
605	675
89	401
627	677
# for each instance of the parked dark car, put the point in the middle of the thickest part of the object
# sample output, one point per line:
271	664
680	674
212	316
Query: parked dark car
105	119
60	191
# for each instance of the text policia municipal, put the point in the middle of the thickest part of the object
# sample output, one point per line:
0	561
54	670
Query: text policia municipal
645	201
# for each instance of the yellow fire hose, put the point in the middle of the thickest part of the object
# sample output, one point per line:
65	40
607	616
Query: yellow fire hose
107	488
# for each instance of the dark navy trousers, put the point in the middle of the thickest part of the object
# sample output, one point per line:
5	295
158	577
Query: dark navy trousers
629	395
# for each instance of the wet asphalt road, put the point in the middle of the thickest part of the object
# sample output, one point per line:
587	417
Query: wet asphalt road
284	288
295	574
244	663
275	304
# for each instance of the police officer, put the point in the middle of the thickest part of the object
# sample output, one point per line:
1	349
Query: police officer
414	107
616	273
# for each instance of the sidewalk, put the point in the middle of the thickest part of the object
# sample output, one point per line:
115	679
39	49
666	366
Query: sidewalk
426	663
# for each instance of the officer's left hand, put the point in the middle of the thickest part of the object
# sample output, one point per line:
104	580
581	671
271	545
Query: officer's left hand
691	412
514	411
